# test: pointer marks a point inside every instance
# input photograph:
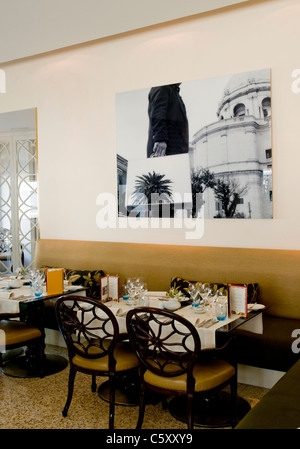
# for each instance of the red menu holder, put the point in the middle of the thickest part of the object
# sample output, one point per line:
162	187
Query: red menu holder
109	288
238	299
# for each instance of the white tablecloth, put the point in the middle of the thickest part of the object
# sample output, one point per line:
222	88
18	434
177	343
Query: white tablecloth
207	335
10	298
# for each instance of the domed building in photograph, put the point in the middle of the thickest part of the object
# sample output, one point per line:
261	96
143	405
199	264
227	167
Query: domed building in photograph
237	147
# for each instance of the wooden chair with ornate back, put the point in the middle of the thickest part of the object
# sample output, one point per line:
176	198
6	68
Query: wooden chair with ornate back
171	363
91	333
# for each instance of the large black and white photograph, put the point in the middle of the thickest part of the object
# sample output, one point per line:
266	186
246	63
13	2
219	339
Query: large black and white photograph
196	149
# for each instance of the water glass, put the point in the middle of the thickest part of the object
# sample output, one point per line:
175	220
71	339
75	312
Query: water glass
196	302
221	308
144	300
38	288
125	292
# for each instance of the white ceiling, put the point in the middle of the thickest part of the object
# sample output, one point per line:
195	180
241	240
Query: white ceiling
33	26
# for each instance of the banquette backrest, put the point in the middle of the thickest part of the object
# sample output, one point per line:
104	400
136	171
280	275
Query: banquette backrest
275	271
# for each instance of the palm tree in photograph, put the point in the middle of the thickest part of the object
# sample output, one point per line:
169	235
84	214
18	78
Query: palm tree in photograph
152	188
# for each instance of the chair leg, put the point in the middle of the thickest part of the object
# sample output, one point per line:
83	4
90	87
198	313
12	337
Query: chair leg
70	390
112	391
233	401
94	384
141	406
164	404
42	358
190	411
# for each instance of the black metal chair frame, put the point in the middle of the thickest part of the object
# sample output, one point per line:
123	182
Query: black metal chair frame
82	337
155	354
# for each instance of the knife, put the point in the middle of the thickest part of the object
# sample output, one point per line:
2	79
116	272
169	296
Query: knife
210	323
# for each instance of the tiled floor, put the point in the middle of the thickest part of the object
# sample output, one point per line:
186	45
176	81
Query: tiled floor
37	403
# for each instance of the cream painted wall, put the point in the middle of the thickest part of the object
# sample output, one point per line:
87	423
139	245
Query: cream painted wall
74	91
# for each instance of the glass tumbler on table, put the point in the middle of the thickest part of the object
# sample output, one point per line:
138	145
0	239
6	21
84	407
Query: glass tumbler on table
221	305
38	288
125	292
38	278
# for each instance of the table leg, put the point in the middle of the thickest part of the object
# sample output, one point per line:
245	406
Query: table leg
127	390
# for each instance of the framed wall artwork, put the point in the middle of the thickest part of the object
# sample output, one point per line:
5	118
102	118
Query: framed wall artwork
204	147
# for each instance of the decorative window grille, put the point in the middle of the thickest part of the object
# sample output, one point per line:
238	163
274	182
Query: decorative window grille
18	201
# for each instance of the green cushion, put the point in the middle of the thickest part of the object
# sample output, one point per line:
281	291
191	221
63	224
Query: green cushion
86	278
182	285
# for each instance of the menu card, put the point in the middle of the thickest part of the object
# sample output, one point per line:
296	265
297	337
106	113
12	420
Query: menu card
109	288
55	281
238	299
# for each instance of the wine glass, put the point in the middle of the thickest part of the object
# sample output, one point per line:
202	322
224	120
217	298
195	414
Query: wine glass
203	290
194	292
30	276
211	297
134	285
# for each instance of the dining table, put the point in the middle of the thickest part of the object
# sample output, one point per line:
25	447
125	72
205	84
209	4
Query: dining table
21	299
210	412
206	323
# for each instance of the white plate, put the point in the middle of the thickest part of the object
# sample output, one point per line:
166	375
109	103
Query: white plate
72	288
255	306
198	310
14	283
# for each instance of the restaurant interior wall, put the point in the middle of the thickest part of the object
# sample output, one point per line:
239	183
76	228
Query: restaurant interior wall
74	91
76	21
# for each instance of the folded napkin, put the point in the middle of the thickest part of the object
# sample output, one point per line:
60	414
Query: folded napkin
159	295
6	295
116	308
121	312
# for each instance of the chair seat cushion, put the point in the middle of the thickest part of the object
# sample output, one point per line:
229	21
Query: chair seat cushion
124	355
17	332
208	375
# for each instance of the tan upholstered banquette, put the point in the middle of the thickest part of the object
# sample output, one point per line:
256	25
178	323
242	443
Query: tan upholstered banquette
276	271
